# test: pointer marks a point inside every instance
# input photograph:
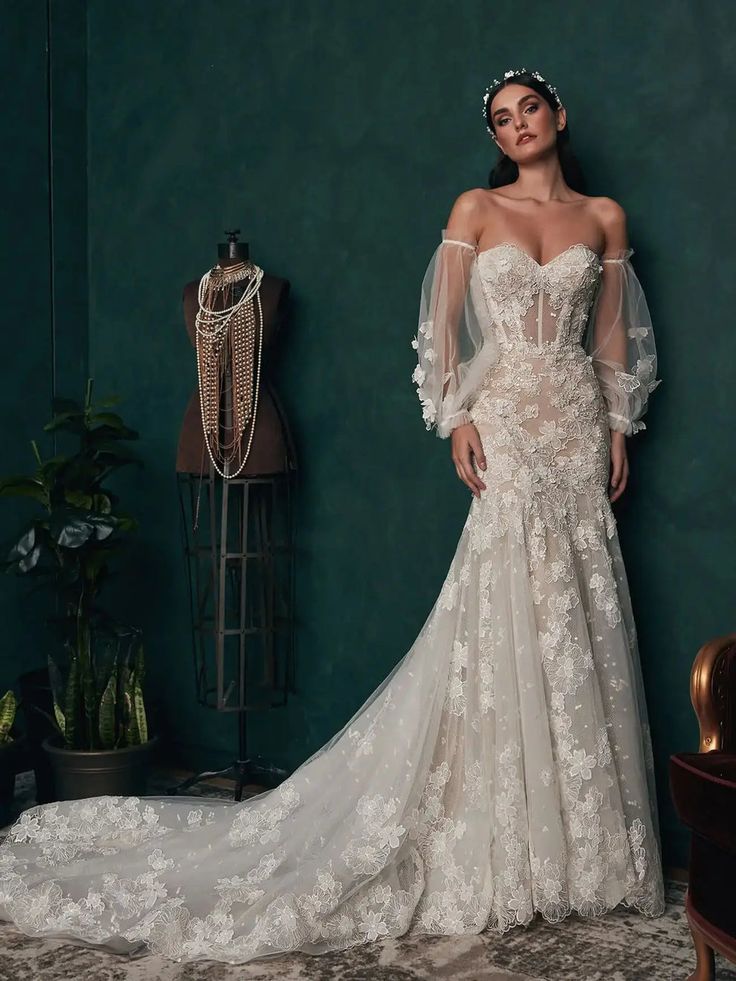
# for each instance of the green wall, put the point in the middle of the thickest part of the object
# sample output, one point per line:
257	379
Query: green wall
43	273
336	138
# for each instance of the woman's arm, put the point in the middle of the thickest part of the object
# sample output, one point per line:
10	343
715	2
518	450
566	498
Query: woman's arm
455	346
464	223
620	341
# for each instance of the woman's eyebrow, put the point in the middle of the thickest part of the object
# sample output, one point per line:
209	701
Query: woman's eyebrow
519	101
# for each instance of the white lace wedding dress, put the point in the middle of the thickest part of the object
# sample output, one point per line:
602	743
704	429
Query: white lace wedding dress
504	766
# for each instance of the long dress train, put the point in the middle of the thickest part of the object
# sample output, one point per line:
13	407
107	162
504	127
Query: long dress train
504	765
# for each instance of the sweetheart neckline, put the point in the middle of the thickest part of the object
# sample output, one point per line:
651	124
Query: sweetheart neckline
541	265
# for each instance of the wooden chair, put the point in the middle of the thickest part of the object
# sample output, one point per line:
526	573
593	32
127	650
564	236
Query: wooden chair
703	788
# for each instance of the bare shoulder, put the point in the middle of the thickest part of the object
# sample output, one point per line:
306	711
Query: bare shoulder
609	213
466	216
469	203
611	219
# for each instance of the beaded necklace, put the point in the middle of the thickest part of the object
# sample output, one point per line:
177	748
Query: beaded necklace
226	330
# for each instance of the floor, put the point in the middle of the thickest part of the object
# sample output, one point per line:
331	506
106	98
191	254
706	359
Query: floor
621	946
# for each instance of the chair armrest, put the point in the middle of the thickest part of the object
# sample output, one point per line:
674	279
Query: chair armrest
713	693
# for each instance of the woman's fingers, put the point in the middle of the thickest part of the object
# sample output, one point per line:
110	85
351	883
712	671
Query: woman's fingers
619	476
477	448
463	452
471	479
624	478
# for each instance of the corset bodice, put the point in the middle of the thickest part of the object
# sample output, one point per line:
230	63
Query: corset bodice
538	308
539	403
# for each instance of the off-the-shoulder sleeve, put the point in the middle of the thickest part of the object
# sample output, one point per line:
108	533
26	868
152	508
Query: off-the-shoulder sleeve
455	344
620	342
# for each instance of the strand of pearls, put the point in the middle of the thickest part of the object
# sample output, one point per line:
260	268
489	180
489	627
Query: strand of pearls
210	321
220	340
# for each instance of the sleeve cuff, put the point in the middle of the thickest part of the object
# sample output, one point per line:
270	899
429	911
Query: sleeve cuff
619	423
457	419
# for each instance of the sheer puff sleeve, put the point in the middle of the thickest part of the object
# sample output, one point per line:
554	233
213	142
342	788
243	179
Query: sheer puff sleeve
454	343
620	343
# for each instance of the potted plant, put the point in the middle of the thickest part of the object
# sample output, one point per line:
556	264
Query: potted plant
100	742
12	747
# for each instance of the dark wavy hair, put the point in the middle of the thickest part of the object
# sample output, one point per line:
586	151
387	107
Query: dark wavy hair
506	171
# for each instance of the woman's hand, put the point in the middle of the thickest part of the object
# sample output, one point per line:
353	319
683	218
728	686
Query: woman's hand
619	465
466	445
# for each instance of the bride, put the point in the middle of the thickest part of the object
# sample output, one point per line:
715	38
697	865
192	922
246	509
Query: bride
504	766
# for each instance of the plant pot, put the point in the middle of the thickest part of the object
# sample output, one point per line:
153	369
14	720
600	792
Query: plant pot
95	773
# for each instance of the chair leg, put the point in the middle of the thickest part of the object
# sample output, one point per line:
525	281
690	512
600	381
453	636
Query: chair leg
705	966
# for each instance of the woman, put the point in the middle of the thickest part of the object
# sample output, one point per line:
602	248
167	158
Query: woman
503	767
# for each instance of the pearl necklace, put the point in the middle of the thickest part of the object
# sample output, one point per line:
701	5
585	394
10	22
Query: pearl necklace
225	339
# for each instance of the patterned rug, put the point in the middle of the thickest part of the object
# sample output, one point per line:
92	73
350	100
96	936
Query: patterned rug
621	946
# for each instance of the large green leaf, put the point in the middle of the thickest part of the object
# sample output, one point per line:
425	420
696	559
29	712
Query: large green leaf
70	422
30	561
20	486
101	503
126	522
78	499
24	545
51	467
24	555
69	530
103	529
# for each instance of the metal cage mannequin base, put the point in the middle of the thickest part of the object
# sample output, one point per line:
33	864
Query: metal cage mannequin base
239	546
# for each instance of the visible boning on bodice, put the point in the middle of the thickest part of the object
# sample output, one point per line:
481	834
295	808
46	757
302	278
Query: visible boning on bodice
536	306
539	406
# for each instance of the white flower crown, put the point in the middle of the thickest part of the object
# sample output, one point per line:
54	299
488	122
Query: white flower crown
510	74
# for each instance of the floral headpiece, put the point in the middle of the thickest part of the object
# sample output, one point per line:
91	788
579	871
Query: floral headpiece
510	74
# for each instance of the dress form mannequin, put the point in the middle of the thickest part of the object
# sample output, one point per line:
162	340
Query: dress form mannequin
272	449
239	549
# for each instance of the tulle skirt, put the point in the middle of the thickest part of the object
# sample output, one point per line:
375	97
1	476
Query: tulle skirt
502	768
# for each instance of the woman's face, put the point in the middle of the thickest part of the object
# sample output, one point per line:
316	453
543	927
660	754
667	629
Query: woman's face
518	112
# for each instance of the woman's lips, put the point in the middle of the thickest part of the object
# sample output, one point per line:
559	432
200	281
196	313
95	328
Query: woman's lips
525	139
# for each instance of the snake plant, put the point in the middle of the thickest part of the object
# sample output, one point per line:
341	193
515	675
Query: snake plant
8	706
99	704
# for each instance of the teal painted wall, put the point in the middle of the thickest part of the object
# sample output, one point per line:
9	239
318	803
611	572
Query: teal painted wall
43	231
336	138
26	284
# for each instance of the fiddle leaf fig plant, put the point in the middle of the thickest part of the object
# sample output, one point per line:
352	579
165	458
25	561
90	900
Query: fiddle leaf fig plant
69	546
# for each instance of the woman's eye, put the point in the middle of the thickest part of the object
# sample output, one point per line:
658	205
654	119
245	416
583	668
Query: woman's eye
532	105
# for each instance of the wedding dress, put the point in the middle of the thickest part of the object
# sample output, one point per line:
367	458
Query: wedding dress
504	766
